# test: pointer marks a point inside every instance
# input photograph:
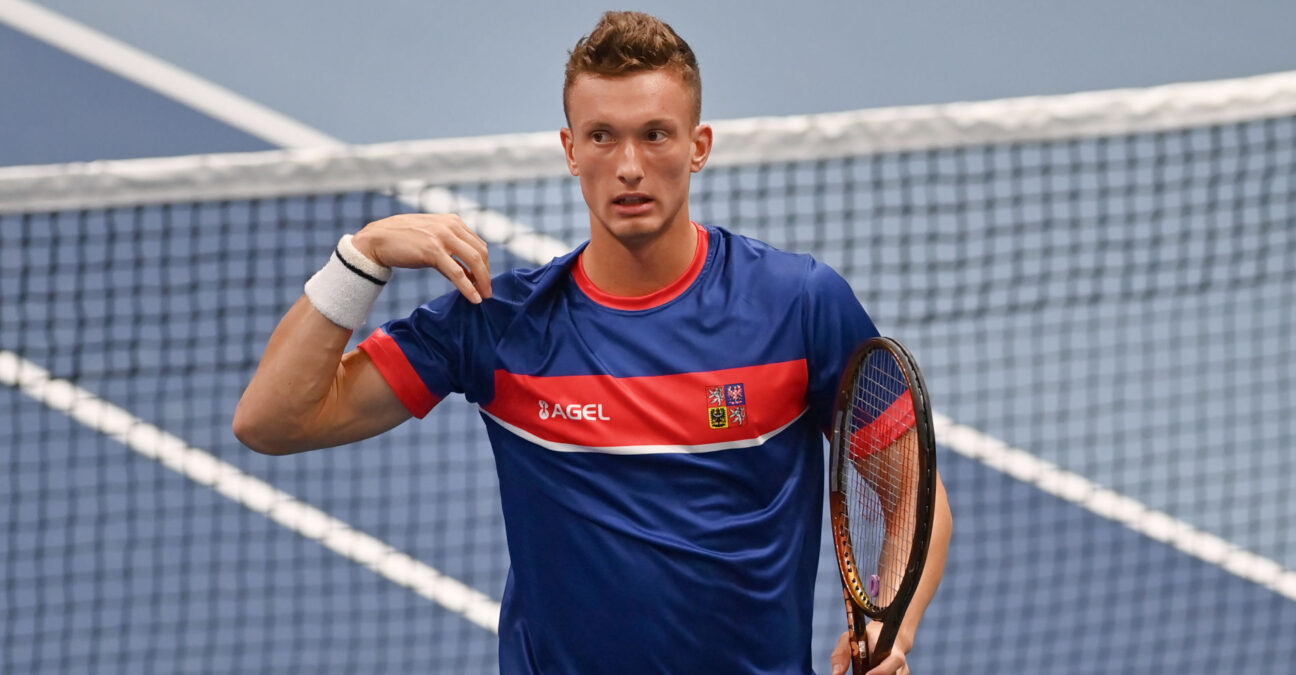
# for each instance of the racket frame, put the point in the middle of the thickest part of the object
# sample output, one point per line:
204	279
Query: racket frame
858	604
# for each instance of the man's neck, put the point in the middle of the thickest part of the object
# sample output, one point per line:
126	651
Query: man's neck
640	267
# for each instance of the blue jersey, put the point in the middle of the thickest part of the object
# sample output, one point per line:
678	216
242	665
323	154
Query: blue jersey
660	458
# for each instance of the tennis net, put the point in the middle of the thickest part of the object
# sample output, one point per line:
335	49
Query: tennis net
1101	289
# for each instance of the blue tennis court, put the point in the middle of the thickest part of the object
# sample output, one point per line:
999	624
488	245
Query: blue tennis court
1102	362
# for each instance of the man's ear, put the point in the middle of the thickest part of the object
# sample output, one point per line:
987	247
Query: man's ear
569	143
703	137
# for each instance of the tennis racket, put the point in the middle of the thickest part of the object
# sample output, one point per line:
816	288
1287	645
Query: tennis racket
882	482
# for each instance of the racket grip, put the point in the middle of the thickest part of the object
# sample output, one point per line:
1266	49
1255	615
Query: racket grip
858	645
859	661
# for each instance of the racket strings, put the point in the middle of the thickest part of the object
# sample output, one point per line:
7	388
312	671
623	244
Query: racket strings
881	479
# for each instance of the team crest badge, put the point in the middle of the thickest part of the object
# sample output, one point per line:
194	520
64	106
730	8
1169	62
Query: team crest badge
726	405
719	418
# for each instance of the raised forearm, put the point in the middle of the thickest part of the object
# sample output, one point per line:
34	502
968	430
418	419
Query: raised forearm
292	382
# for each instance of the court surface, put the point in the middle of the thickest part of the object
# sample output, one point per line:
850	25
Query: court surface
54	124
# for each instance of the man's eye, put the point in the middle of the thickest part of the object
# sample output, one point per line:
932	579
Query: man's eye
600	137
657	135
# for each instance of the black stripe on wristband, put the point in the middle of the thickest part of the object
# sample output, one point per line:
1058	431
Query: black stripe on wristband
363	275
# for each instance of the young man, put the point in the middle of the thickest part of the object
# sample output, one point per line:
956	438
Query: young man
655	399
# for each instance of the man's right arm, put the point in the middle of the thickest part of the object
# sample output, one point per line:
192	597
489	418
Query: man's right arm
306	393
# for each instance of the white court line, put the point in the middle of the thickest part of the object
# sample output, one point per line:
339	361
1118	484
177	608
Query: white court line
203	468
195	463
1114	506
274	127
248	116
164	78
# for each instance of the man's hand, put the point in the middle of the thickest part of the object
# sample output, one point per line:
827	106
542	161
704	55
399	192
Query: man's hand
421	240
895	664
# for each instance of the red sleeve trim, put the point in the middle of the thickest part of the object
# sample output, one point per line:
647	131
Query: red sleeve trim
399	373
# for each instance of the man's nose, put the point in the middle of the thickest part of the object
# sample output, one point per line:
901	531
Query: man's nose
629	167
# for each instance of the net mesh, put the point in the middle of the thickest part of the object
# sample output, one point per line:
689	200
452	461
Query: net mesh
1106	323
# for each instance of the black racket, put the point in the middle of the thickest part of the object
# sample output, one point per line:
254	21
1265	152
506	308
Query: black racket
882	482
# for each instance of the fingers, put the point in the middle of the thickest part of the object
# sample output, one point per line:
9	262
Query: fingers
459	275
461	256
895	663
475	257
840	661
892	665
469	264
442	241
888	666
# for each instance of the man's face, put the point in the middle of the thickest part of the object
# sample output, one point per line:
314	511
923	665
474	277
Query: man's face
633	143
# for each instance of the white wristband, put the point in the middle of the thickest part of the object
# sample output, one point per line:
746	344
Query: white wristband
344	290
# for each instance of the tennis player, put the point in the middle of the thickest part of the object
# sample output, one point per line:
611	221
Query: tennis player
656	399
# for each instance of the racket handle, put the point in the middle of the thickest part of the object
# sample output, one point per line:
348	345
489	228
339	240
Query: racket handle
858	647
859	660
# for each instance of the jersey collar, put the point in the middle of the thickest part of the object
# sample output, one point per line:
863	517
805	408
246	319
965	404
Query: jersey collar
654	299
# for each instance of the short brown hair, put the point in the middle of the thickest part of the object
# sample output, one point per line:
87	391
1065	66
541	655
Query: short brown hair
629	42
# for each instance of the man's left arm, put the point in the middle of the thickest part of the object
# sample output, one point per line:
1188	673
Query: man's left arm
933	572
835	324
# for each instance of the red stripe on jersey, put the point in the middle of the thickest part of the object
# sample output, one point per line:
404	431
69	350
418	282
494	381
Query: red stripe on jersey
654	299
399	373
602	411
886	429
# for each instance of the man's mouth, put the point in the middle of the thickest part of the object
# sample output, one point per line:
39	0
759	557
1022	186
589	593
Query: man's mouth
631	199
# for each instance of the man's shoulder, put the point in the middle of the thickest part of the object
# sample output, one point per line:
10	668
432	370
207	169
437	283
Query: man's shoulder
513	292
744	251
784	279
520	283
788	270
